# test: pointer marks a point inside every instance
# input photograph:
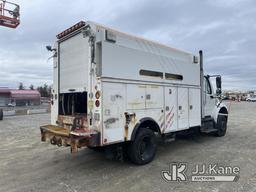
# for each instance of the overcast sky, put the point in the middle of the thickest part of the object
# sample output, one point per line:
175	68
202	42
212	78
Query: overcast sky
224	29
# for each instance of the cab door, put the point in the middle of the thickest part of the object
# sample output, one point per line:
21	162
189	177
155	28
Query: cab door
208	100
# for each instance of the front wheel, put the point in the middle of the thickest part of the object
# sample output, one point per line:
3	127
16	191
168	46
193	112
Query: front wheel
221	126
143	149
96	149
1	114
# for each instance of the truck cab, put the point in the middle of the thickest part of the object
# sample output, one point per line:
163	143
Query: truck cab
215	113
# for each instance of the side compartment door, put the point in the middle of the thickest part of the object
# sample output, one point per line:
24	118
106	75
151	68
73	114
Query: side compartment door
155	104
183	108
194	107
136	97
153	97
113	112
171	118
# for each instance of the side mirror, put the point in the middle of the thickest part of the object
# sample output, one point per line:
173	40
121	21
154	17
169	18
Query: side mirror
218	85
49	48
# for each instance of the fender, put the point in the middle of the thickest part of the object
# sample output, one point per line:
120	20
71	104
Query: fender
145	122
221	108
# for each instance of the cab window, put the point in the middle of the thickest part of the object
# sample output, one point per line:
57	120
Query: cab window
207	87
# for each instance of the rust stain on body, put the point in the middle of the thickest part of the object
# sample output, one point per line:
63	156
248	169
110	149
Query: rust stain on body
130	120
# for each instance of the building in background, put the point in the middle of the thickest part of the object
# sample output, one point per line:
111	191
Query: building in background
15	97
239	95
4	96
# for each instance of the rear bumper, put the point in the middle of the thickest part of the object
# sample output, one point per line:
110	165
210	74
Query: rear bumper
61	136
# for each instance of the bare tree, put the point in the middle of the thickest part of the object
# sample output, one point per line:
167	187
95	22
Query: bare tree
31	87
21	86
44	90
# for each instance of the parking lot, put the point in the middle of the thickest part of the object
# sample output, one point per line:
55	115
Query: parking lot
27	164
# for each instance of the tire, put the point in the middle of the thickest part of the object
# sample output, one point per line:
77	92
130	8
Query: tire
143	149
96	149
1	114
221	126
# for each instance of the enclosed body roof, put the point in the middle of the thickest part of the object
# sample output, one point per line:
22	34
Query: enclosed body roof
127	57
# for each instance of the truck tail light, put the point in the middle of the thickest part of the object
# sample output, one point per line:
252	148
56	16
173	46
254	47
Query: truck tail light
97	103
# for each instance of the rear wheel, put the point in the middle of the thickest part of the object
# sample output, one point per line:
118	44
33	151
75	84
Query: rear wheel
221	126
143	149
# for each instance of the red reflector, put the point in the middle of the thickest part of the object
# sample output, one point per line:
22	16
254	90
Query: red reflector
97	103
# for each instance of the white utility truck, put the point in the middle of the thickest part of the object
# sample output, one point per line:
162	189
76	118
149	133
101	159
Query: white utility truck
114	89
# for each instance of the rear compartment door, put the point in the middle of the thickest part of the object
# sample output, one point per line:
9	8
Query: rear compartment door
113	112
74	64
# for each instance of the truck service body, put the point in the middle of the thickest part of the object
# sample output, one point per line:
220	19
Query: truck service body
110	87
